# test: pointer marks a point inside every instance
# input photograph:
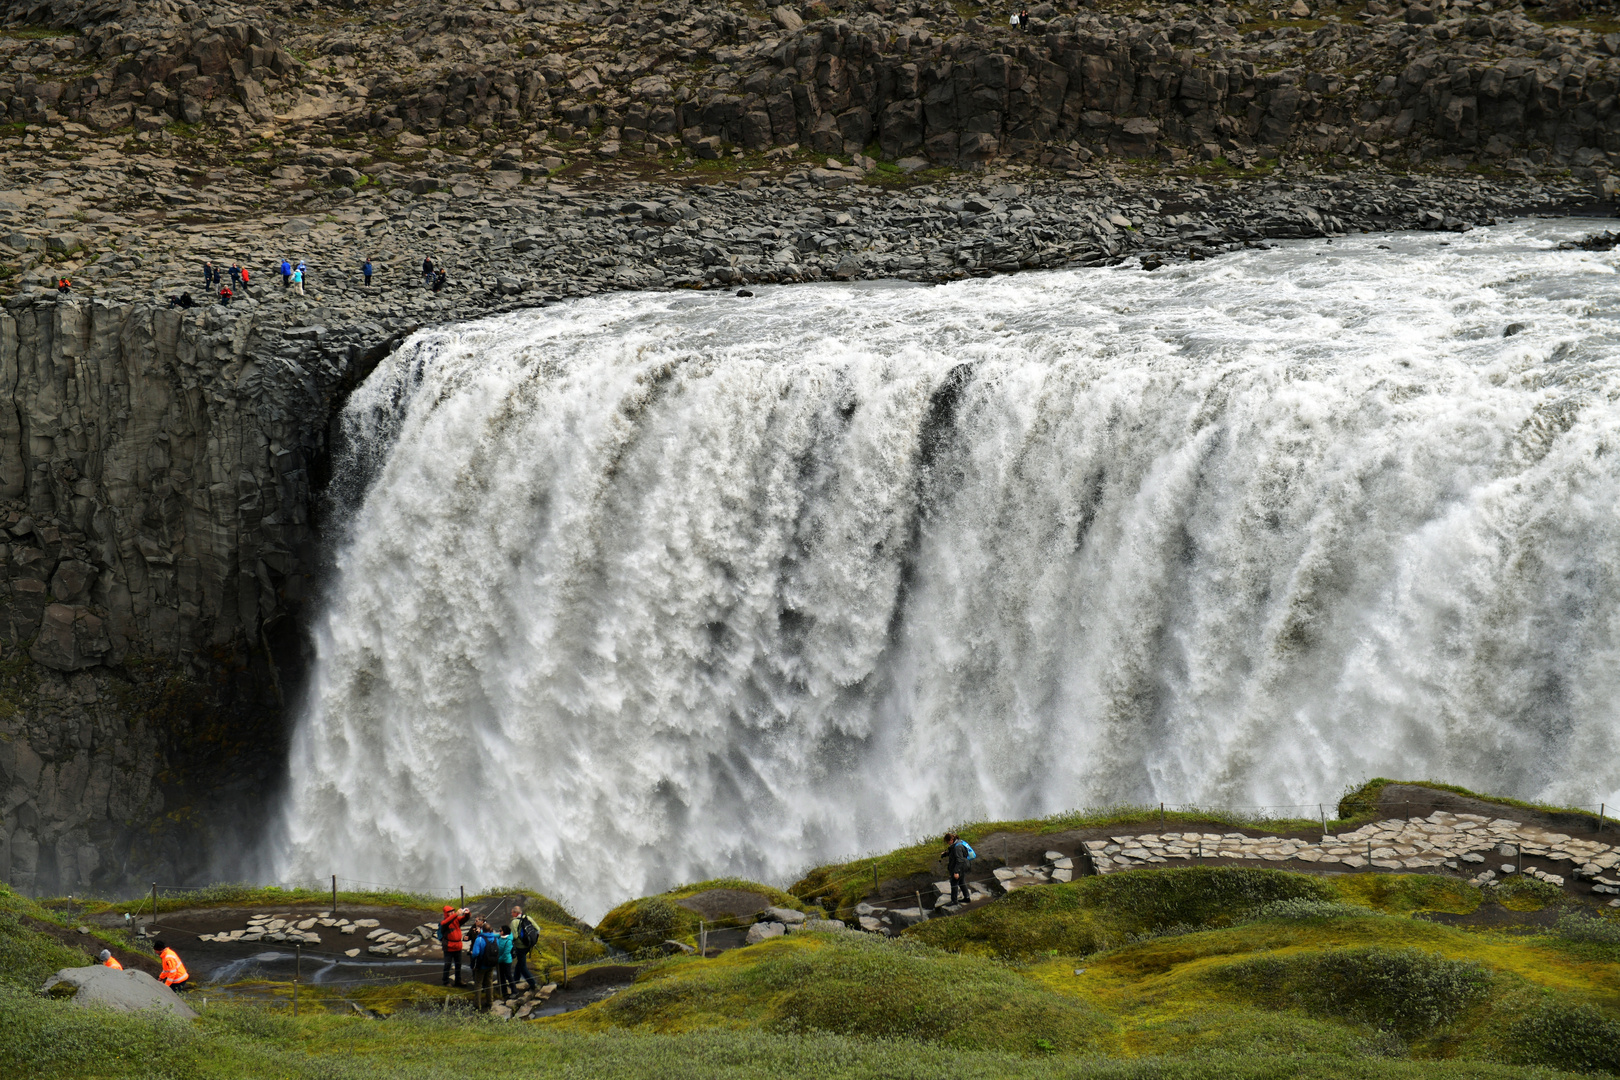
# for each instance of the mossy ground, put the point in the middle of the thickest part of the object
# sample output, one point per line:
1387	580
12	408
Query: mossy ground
1188	972
642	924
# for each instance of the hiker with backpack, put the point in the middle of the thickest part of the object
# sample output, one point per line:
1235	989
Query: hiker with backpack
525	937
957	854
450	940
486	960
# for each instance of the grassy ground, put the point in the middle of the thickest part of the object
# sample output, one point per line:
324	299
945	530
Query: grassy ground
1187	972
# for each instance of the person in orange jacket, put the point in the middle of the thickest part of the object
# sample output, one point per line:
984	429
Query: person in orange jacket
109	960
174	974
450	940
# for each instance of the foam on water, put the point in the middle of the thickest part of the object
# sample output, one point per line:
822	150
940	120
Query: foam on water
654	587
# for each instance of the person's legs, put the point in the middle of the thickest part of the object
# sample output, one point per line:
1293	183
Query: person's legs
508	988
485	978
520	968
447	954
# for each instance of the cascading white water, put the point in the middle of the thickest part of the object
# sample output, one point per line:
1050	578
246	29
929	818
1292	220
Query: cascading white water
654	587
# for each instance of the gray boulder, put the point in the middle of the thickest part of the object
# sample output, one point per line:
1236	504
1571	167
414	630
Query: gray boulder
125	991
763	931
783	915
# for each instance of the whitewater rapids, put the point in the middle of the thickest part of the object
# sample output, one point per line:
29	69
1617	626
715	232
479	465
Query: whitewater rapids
654	587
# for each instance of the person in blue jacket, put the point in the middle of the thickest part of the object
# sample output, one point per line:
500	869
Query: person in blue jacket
486	960
504	943
286	273
365	268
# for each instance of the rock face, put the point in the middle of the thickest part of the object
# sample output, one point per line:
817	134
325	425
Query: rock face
632	78
124	991
155	500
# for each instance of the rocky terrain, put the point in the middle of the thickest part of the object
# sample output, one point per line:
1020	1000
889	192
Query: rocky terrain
160	467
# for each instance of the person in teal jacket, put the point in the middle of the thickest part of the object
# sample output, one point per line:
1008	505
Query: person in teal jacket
504	944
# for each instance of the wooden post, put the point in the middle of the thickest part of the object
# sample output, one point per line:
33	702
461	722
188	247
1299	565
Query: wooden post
703	938
1601	808
154	903
1323	811
463	896
334	894
565	965
298	967
920	915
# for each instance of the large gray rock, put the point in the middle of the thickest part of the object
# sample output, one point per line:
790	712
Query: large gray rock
784	915
125	991
763	931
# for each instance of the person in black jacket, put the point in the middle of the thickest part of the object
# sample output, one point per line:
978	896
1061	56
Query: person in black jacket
956	865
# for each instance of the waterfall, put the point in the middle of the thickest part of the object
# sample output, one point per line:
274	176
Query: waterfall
655	587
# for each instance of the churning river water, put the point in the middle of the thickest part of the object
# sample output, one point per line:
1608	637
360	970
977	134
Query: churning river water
653	587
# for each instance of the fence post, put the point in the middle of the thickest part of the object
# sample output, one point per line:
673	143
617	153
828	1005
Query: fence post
1601	808
920	915
1322	809
703	939
565	965
334	894
463	896
154	903
298	967
874	876
1161	813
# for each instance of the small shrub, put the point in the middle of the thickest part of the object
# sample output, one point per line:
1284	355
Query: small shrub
1527	894
1566	1036
1307	908
1589	929
1404	990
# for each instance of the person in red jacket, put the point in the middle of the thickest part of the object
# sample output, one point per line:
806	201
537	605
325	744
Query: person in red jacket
450	940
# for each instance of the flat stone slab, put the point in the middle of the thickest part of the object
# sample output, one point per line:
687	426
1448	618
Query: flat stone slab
126	991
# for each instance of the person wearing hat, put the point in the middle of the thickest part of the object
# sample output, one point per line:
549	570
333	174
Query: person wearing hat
450	940
109	960
174	974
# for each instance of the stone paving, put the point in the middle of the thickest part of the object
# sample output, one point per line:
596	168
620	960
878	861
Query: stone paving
1453	841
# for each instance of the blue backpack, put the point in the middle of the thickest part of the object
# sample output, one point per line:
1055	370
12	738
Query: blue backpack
968	848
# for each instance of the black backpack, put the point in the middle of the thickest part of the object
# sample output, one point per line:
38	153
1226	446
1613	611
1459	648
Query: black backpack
528	934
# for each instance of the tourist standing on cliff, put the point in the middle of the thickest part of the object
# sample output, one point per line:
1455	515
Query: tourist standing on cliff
210	275
286	273
298	279
525	936
450	940
365	268
427	272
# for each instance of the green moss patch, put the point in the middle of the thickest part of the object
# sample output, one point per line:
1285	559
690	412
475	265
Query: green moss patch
1406	990
1097	913
678	915
854	984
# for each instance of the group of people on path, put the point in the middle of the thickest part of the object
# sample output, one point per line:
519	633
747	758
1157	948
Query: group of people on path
494	954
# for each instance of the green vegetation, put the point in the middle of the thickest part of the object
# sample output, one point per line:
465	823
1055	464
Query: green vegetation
1407	990
852	984
644	923
1163	973
1097	913
1361	801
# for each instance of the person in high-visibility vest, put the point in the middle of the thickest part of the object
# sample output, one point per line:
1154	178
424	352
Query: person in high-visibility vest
109	960
174	973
